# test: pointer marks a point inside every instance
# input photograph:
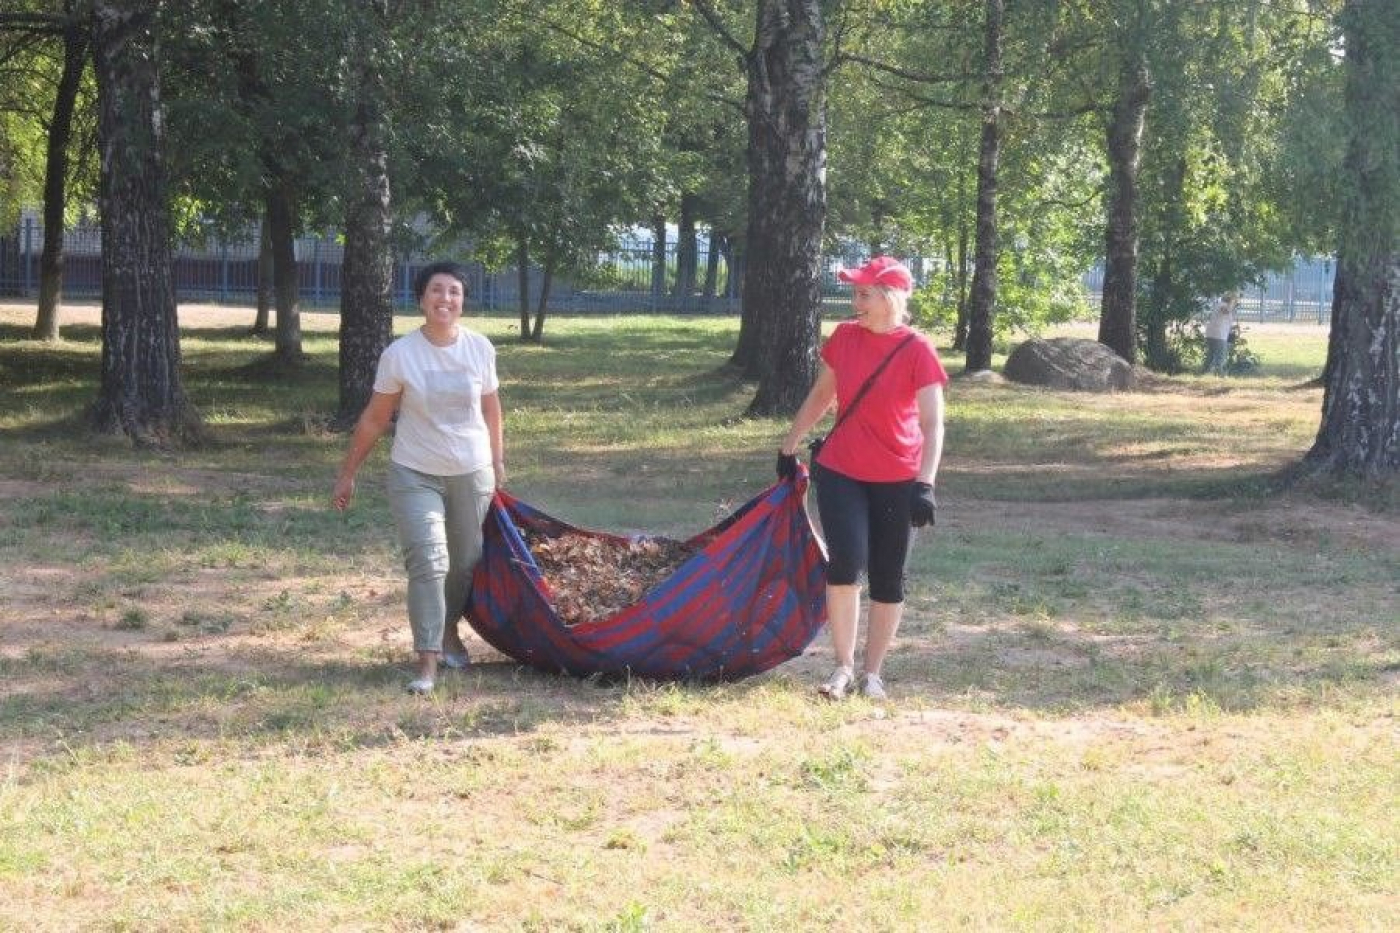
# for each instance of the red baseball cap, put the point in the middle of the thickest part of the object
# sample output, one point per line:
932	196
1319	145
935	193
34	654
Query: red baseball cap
882	270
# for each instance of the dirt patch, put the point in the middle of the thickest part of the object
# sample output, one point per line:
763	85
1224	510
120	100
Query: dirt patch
14	490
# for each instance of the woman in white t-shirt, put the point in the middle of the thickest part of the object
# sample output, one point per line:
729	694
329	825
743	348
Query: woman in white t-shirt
447	460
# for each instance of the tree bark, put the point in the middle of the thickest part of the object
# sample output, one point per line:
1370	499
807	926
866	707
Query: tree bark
786	110
546	283
658	259
1157	354
286	286
1163	304
960	330
140	395
982	300
75	50
262	322
1360	430
708	290
1118	312
253	94
735	258
367	270
687	252
522	278
746	358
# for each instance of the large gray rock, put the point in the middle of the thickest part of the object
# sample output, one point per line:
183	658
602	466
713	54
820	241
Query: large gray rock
1069	363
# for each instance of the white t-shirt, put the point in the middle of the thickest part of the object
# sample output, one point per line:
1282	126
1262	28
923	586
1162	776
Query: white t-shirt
441	430
1221	320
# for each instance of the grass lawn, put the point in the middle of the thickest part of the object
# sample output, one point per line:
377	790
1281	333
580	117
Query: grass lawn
1138	686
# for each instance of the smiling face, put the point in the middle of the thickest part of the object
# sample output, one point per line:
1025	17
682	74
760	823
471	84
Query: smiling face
442	301
873	310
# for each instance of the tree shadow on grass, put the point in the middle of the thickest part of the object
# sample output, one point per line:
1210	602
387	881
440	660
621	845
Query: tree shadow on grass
103	699
96	698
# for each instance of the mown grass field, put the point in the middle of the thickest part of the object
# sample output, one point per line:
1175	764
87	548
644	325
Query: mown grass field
1138	687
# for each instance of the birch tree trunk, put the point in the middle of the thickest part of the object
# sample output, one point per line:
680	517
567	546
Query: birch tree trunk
960	329
982	299
286	279
263	316
522	279
1118	312
75	51
1360	430
786	109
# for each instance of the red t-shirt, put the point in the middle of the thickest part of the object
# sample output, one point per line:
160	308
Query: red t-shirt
881	441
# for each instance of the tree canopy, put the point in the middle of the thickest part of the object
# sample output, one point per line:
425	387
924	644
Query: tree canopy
1006	145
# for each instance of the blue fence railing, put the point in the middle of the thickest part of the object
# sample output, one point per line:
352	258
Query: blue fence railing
623	279
226	271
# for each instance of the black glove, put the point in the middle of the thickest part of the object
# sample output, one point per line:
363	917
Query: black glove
787	466
922	505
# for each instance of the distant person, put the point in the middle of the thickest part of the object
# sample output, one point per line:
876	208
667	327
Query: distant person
875	471
1218	327
447	461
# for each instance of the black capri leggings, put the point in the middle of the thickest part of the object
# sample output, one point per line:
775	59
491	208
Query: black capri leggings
866	526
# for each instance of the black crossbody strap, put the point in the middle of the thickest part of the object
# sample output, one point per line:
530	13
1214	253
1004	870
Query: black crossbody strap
870	380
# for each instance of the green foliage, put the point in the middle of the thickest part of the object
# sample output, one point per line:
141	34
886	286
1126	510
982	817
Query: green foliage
1242	361
1185	350
934	306
545	139
22	143
554	125
1301	174
905	146
1369	203
30	67
1213	214
250	102
1040	285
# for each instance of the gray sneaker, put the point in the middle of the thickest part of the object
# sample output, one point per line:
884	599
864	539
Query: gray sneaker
872	687
454	661
838	684
420	686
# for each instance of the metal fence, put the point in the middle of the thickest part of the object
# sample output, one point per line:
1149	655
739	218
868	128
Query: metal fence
623	279
226	271
1303	293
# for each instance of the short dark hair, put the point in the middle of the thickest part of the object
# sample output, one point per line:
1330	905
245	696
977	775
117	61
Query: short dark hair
443	267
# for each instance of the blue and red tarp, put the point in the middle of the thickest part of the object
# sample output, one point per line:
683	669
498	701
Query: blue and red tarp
751	598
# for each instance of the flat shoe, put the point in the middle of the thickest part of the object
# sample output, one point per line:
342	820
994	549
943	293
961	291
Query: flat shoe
873	688
837	684
420	685
454	662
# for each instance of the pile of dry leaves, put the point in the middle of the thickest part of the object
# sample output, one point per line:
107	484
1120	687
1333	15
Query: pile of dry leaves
591	578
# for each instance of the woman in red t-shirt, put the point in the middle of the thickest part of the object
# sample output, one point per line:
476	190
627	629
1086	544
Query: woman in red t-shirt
874	475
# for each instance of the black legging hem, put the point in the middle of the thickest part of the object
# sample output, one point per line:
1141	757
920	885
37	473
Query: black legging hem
866	526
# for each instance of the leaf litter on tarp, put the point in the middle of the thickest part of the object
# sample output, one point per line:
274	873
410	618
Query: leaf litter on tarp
592	578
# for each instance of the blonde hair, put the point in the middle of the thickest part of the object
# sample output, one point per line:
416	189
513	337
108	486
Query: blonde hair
898	300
